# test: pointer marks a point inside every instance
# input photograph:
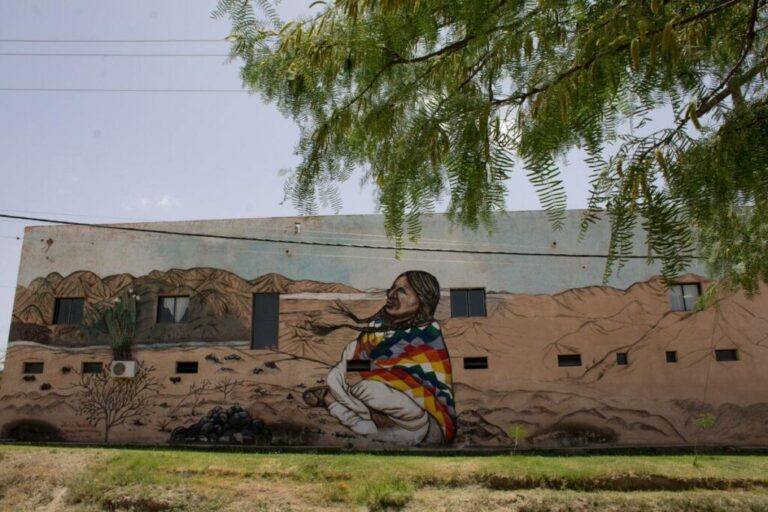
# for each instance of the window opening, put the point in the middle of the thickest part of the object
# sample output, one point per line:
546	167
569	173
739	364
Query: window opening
683	297
33	368
475	363
468	302
358	365
724	355
569	360
186	366
92	367
172	310
68	311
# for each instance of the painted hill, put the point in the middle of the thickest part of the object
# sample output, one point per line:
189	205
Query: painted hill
220	303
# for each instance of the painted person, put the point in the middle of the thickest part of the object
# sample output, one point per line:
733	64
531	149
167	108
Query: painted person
407	395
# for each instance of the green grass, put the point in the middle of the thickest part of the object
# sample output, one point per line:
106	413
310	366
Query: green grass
171	480
385	494
167	466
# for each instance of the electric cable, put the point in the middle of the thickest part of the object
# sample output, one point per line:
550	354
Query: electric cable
51	89
110	41
27	54
319	243
109	217
314	232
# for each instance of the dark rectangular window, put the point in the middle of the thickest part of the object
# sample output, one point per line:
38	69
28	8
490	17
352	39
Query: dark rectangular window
33	367
730	354
186	366
683	297
475	363
671	356
92	367
358	365
622	358
266	320
172	310
569	360
68	311
468	302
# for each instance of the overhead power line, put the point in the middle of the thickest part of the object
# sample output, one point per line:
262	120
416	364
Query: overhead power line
108	217
315	232
113	41
314	243
78	89
30	54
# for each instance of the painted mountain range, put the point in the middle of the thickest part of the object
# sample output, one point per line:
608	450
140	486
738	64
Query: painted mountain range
220	304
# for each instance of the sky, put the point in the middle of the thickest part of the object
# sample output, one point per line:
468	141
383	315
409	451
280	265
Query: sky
122	156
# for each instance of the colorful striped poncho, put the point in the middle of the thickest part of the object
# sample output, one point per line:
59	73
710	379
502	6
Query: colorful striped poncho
414	361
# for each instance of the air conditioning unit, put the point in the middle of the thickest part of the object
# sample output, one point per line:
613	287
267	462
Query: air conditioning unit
123	369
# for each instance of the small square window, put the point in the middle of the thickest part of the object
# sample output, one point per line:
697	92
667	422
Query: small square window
358	365
683	297
468	302
68	311
622	358
475	363
671	356
33	368
727	355
92	367
569	360
172	310
186	366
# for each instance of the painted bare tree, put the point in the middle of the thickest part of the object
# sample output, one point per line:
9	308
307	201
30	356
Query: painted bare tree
227	385
112	401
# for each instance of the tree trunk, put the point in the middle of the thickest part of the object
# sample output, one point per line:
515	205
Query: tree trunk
106	434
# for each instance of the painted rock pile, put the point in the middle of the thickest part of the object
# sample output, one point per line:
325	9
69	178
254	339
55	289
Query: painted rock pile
224	426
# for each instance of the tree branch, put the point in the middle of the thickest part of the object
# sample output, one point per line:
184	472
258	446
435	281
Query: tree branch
521	97
738	81
446	50
729	84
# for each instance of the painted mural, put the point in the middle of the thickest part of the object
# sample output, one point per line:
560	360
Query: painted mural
405	396
371	369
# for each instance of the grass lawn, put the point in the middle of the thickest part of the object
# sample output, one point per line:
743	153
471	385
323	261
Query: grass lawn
89	479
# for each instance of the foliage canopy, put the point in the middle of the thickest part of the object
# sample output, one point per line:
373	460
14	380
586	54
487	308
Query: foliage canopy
443	96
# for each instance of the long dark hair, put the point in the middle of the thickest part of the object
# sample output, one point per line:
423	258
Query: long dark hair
427	289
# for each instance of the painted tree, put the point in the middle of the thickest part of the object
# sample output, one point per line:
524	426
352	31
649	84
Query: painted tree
117	318
103	399
437	97
226	386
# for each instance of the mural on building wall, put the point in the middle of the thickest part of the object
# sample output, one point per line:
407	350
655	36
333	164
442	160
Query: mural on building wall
293	394
106	402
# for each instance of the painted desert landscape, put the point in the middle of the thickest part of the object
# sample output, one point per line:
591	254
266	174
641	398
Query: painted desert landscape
523	399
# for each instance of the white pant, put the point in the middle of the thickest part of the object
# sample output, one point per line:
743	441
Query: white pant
353	405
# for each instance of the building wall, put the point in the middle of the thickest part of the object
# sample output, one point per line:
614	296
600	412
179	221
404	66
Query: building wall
538	308
68	249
